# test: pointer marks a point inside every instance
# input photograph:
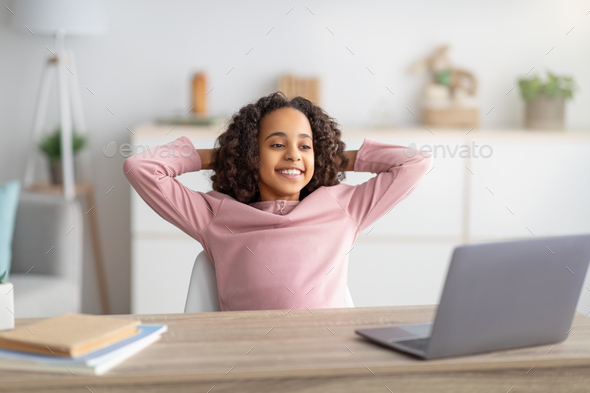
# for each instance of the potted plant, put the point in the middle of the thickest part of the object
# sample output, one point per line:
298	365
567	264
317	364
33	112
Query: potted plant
6	302
545	101
51	146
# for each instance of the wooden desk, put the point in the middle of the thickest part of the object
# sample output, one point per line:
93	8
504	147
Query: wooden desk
316	351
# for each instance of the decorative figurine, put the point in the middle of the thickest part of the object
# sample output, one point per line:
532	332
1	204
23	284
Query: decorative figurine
449	96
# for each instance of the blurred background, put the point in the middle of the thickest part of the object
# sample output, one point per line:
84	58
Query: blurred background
422	72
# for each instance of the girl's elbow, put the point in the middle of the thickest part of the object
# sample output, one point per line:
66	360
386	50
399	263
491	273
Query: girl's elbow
128	165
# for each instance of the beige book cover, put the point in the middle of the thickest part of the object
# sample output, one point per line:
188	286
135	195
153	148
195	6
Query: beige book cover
70	334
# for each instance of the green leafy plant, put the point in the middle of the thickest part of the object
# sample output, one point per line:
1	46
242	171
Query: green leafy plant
51	144
532	88
3	276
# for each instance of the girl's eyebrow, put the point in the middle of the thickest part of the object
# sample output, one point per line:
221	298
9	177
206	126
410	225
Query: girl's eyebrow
280	133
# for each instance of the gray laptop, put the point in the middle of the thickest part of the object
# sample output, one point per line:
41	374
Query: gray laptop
497	296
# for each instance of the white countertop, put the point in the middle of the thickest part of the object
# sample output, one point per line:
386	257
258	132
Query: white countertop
421	132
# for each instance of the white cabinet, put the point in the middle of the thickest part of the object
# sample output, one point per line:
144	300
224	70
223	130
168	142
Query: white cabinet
397	273
535	180
539	187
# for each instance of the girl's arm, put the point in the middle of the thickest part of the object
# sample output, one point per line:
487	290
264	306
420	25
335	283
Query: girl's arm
153	172
399	170
351	158
206	158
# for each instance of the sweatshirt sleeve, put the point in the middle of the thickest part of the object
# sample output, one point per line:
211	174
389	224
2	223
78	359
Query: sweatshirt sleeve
153	172
399	170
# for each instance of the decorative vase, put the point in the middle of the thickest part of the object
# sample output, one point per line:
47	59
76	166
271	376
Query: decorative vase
545	113
55	171
7	305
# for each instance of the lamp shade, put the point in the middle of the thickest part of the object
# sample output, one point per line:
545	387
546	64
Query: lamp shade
47	17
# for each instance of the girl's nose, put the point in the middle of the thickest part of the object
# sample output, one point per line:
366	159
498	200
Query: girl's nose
293	153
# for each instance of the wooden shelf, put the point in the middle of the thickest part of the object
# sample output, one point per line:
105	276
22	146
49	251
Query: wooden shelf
57	189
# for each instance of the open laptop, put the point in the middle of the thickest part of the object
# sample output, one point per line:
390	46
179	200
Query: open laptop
499	295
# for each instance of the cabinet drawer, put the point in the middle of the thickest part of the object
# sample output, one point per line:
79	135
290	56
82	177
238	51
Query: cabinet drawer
397	274
531	187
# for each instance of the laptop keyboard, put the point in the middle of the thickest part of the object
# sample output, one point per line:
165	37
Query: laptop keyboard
419	344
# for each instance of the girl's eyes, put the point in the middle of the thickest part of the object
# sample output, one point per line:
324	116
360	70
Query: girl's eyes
276	144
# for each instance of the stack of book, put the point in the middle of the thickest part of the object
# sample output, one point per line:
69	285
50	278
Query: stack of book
75	343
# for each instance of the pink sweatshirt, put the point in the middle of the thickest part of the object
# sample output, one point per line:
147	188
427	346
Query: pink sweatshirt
277	254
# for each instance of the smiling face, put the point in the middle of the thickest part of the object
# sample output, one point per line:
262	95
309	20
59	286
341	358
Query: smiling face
284	141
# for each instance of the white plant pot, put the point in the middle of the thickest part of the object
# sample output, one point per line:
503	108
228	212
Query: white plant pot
6	306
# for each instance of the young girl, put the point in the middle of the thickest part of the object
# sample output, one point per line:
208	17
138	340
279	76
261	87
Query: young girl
278	224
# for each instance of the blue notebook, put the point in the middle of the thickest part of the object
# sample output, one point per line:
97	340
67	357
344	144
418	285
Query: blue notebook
96	362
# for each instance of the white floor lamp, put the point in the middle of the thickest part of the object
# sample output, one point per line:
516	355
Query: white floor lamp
59	18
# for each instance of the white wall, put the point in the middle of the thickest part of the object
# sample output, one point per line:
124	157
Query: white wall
141	69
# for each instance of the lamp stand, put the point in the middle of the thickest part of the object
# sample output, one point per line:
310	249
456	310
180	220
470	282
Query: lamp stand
62	64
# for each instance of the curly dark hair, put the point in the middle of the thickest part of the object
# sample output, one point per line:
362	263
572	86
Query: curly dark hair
236	161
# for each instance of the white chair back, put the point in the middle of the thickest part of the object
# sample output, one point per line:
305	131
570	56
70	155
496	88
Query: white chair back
202	291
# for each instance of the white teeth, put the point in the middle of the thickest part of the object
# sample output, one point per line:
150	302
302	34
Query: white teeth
290	172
